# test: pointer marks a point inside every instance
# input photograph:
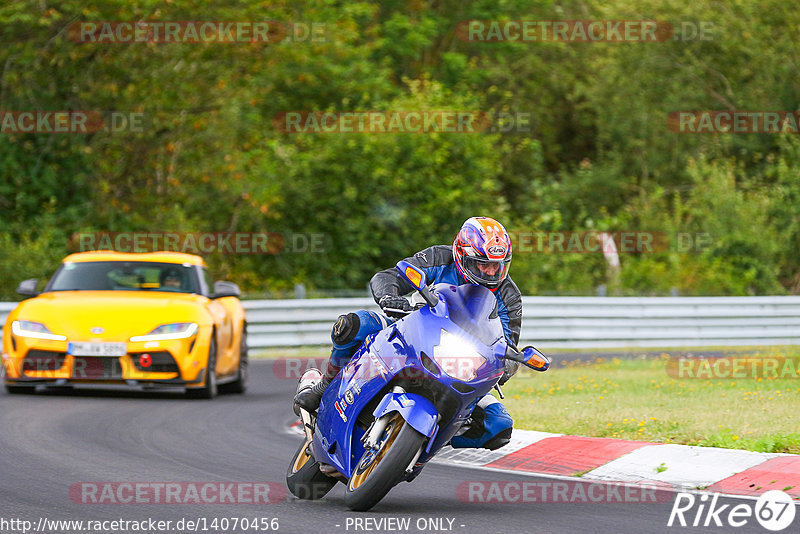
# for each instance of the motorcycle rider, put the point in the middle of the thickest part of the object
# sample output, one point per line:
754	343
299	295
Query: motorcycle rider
480	254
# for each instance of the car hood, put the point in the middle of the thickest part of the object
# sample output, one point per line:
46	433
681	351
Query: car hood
120	314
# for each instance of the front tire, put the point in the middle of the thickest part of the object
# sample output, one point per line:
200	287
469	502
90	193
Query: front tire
378	471
304	479
209	389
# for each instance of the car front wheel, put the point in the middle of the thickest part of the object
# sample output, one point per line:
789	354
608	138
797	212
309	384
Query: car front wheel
240	384
209	388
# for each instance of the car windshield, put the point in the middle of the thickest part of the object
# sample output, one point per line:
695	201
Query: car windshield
124	276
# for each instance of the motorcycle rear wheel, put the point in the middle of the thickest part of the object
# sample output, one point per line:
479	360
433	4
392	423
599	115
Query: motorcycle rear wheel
304	479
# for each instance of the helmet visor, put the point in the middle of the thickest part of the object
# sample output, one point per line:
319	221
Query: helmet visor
486	272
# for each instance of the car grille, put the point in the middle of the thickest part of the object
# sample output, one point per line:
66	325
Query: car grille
161	362
43	360
95	367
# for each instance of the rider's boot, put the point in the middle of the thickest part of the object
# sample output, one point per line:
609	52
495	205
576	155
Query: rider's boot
344	340
309	398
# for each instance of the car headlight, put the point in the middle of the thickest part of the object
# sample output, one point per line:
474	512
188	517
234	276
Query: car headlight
34	330
169	331
457	357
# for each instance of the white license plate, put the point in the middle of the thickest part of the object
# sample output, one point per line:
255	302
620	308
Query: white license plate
97	349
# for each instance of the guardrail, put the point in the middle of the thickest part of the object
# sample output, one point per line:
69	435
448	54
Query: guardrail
563	322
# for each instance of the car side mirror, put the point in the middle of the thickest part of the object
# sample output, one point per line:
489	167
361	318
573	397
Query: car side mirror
225	289
28	287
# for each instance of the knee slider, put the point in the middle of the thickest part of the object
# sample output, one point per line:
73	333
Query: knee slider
345	329
500	440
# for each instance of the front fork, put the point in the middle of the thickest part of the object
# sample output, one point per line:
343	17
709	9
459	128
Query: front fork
378	427
371	436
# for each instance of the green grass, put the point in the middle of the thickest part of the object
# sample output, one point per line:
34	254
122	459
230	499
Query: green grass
637	399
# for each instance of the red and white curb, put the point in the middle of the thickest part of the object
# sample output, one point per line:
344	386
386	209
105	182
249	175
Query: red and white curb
683	467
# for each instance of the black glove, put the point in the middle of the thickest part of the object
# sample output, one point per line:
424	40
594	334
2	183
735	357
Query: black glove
394	306
511	368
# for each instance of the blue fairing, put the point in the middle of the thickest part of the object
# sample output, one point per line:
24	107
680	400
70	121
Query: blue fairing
417	411
404	354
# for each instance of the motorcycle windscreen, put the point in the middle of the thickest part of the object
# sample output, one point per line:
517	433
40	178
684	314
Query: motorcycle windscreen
474	309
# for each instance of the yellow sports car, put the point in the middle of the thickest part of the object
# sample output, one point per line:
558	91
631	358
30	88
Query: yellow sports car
150	320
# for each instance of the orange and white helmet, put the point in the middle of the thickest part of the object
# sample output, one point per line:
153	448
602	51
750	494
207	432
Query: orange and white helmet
482	251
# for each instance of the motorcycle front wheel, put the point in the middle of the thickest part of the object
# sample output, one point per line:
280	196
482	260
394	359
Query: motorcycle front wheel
380	469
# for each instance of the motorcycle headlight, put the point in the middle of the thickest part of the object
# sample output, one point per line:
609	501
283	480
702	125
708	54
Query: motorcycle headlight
169	331
457	357
34	330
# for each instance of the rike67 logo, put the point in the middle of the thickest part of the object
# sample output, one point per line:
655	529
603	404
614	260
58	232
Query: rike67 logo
774	510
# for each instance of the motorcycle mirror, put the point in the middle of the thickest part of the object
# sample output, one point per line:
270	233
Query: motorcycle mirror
415	276
534	359
529	357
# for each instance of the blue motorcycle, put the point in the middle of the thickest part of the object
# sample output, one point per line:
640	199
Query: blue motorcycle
404	394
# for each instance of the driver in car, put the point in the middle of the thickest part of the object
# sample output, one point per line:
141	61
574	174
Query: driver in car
480	254
171	280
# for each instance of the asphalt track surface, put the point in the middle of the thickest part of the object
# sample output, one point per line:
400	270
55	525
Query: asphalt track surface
52	440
